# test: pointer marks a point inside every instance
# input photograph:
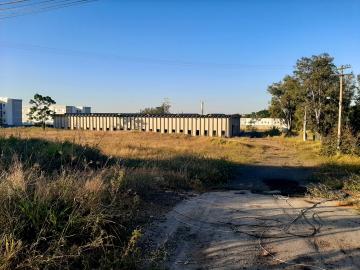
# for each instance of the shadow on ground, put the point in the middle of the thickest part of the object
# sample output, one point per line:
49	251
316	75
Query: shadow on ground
266	179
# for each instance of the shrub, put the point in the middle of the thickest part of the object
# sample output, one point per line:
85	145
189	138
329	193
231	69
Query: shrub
350	144
274	131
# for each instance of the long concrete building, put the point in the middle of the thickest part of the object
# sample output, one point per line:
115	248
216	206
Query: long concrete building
212	125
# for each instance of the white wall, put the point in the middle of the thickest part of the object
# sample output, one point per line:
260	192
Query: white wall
262	123
13	111
58	109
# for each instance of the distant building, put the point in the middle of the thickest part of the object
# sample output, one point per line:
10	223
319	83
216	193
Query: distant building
262	123
58	109
212	125
10	112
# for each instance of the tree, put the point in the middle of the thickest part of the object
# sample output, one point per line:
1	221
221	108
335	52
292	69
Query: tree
284	101
319	83
354	115
164	108
260	114
40	111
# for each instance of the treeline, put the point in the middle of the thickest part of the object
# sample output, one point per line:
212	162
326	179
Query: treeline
311	96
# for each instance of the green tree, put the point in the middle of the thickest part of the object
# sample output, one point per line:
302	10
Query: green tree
260	114
164	108
284	101
40	111
320	87
354	115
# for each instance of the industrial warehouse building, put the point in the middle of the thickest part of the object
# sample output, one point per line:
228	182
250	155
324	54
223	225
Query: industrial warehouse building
213	125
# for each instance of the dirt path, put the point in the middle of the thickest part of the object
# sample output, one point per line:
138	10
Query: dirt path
255	227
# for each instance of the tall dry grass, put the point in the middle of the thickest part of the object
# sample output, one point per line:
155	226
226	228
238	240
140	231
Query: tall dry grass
78	199
77	203
71	220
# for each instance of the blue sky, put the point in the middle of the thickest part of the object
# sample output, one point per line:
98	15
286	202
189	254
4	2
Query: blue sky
122	55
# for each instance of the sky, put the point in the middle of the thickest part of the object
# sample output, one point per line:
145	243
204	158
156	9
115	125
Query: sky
125	55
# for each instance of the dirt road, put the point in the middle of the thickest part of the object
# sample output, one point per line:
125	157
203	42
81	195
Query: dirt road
257	226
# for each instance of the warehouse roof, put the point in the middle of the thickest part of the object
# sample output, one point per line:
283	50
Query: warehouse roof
181	115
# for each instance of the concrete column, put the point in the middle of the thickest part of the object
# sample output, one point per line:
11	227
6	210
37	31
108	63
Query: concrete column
71	122
228	128
211	126
202	126
193	126
170	124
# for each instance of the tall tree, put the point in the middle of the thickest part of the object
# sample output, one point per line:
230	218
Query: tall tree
354	114
284	101
317	77
40	111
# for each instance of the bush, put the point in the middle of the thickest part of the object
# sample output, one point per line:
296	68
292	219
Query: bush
350	144
274	131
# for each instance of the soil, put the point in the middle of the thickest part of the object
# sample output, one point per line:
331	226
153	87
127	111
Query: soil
263	221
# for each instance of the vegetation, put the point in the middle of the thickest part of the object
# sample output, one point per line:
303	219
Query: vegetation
81	199
260	114
310	97
164	108
68	204
284	100
40	111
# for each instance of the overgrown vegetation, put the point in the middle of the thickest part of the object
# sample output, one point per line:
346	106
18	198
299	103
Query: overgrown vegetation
308	100
81	199
67	205
338	178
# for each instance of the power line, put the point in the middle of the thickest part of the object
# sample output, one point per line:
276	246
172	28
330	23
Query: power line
13	2
53	5
31	4
138	59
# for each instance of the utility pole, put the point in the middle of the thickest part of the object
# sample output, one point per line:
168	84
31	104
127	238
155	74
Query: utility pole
304	127
341	76
202	107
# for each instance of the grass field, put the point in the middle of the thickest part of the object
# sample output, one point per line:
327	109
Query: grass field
79	199
147	146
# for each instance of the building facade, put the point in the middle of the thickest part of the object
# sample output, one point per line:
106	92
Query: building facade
262	123
212	125
57	109
10	112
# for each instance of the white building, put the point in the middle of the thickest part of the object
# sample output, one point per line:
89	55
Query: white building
58	109
262	123
10	112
